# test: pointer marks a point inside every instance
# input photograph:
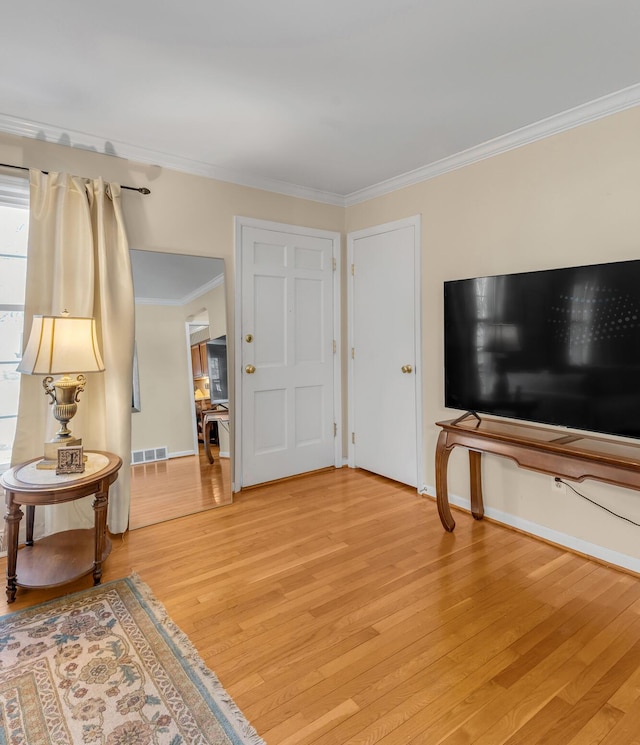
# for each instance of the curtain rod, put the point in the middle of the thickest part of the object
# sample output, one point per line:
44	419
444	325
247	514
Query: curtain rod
140	189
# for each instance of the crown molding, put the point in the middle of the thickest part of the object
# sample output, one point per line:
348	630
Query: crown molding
575	117
156	301
85	141
215	282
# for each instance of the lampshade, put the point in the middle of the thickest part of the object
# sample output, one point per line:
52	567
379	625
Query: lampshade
61	344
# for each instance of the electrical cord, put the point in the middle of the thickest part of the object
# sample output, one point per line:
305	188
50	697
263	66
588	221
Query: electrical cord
602	507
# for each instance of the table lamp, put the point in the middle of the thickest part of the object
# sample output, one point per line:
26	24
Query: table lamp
61	345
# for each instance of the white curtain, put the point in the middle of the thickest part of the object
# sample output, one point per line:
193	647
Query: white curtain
78	260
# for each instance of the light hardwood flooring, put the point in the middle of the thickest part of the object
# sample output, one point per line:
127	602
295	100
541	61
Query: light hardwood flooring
166	489
335	610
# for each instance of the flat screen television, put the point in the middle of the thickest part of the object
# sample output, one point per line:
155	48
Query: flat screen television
217	358
559	347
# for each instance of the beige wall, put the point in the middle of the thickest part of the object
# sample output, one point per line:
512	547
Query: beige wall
165	417
570	199
213	302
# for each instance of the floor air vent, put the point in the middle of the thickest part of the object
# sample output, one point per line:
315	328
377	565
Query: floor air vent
148	456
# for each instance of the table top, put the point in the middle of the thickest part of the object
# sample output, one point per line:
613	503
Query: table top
27	477
573	444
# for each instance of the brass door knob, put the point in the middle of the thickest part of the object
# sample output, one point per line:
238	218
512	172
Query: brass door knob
249	369
406	369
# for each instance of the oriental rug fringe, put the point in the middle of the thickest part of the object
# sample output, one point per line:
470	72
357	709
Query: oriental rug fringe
107	666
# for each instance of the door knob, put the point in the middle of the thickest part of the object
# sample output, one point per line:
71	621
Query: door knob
406	368
248	338
249	369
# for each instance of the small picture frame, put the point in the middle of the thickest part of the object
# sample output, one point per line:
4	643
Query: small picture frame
70	460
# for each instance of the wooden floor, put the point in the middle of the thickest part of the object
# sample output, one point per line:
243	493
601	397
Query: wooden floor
167	489
335	610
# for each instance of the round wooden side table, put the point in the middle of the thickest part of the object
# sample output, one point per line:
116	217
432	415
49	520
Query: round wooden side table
61	557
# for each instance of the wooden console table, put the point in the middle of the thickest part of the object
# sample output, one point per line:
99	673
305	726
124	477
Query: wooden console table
572	456
61	557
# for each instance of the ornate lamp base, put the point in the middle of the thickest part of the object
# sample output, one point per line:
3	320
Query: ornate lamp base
64	394
50	460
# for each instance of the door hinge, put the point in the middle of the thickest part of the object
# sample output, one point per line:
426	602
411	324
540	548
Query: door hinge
353	353
334	264
353	438
335	429
335	346
353	270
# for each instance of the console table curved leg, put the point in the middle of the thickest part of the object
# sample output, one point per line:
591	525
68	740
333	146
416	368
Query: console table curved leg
12	524
442	490
475	473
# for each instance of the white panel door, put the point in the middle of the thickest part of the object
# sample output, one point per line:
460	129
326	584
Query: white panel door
287	354
384	313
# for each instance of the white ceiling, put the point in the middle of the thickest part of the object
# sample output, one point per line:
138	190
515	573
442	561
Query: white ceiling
325	98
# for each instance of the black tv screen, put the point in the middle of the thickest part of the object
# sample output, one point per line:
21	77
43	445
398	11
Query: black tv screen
558	347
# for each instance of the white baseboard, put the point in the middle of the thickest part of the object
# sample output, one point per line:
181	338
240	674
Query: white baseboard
605	555
180	454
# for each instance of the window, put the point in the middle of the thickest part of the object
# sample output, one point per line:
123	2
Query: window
14	225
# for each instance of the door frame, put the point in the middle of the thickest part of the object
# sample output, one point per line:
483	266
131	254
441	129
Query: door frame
334	236
416	223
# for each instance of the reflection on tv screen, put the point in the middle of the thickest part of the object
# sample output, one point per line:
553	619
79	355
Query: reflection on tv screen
560	346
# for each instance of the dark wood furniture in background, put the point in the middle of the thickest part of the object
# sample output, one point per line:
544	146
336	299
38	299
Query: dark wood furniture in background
61	557
199	360
572	456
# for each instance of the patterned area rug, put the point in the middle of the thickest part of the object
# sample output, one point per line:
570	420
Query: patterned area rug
108	666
